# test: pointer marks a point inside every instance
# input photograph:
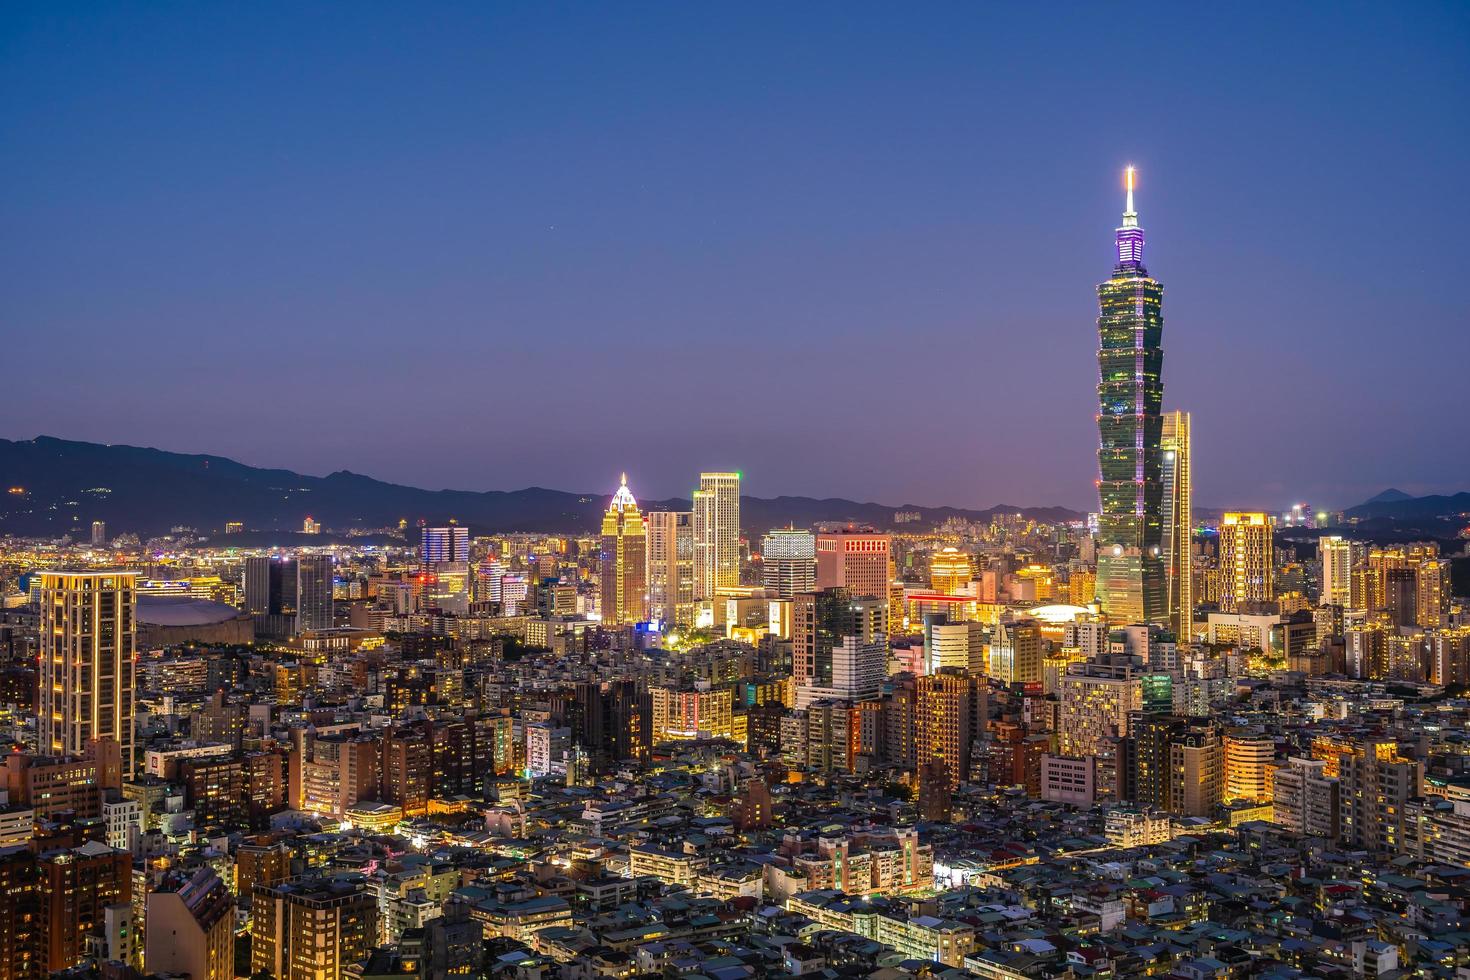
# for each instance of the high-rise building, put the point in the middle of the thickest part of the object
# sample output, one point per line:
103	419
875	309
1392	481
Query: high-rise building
671	567
314	601
716	533
1015	651
440	544
789	562
1247	564
270	586
839	645
624	560
859	561
1304	798
1377	782
1178	518
1250	757
99	533
78	886
950	571
86	685
1339	557
190	928
1131	563
311	928
949	713
959	646
691	713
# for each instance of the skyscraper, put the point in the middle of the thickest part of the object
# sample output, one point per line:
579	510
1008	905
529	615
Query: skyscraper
85	688
442	544
716	533
789	561
1339	557
99	533
861	562
671	566
314	601
1131	564
1246	560
1178	518
839	645
624	560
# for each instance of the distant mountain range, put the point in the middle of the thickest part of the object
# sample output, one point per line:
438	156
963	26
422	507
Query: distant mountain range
55	486
1398	506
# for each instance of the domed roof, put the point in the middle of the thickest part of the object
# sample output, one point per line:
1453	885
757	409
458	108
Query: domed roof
623	499
180	610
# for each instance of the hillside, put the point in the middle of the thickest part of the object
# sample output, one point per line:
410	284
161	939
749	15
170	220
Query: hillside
57	486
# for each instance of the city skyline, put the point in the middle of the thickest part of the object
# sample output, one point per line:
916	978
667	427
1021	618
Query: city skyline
179	233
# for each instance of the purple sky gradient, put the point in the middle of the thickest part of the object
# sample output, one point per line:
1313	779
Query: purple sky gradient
849	249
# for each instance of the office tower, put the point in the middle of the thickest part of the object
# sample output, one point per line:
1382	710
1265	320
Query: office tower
1339	558
1015	651
441	544
1178	519
950	571
1247	563
624	558
85	685
839	645
789	562
311	526
958	646
860	562
1250	757
1376	785
99	533
314	602
1304	798
716	533
1130	564
311	928
271	592
681	714
190	927
671	567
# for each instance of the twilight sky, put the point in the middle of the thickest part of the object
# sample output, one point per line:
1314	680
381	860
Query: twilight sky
847	248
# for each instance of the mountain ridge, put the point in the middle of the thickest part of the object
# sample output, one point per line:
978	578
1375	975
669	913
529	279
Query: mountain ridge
59	486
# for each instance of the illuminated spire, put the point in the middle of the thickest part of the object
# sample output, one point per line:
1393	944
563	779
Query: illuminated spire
1130	216
623	499
1129	235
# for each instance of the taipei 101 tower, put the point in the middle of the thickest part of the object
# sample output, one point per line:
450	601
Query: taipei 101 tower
1130	360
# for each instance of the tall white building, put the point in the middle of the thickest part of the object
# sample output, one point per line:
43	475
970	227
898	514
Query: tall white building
716	533
1178	519
789	562
86	684
1339	557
